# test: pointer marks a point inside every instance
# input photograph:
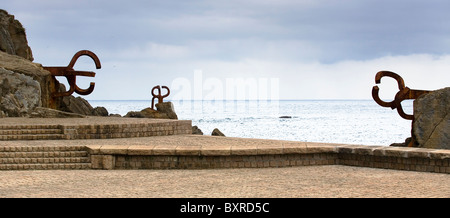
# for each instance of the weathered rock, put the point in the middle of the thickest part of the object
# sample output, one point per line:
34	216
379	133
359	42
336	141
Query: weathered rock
135	114
13	39
403	144
196	131
431	127
76	105
217	132
165	110
41	112
19	94
150	113
81	106
168	109
100	111
23	66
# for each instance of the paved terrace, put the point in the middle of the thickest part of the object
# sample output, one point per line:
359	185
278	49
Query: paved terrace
205	166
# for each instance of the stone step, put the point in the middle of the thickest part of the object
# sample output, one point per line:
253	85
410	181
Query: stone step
33	137
24	148
52	166
60	160
10	127
44	157
44	154
29	131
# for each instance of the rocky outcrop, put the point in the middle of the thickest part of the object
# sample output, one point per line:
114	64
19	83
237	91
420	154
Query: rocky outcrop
80	105
164	110
431	127
19	93
13	39
22	66
26	86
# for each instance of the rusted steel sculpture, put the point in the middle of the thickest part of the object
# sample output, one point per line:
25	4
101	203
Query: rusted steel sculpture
159	96
404	93
72	74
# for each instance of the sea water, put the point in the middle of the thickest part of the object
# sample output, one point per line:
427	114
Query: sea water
330	121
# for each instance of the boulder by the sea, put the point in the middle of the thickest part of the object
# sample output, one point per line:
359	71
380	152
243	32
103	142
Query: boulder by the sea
431	127
164	110
78	105
100	111
217	132
196	131
167	108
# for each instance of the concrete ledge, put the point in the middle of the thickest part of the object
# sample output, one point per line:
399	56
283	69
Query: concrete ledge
276	154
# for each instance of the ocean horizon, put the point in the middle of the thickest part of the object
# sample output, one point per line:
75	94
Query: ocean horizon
361	122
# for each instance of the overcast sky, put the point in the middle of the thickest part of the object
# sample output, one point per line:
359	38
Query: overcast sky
316	49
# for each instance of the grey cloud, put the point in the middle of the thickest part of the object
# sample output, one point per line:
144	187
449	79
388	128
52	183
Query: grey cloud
325	30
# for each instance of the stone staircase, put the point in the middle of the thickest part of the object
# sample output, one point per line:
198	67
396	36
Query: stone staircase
44	157
49	156
31	132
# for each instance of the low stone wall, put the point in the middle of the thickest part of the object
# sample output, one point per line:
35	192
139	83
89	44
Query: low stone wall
212	162
108	131
148	157
398	158
95	131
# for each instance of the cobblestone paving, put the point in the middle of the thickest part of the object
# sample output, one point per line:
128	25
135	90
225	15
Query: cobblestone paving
332	181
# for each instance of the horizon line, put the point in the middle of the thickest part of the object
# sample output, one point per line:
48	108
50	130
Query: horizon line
235	100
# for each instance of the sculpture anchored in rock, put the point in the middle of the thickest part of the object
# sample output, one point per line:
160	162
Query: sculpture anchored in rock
72	74
159	95
404	93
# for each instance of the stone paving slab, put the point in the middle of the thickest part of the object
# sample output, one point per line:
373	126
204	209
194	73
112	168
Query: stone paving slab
331	181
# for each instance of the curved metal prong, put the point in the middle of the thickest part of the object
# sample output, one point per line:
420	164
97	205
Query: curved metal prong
400	82
376	97
87	53
87	91
375	90
168	91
